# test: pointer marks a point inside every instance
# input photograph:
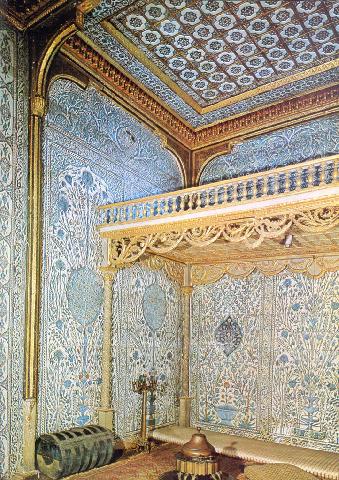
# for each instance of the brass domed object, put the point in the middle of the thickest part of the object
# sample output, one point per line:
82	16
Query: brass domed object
198	446
198	459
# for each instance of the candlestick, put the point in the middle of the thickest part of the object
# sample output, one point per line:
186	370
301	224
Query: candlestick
144	384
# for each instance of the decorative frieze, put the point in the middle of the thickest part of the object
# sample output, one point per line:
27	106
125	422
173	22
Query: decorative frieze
79	50
313	266
251	231
131	92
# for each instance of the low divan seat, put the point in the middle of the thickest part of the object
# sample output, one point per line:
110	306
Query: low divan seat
322	464
276	471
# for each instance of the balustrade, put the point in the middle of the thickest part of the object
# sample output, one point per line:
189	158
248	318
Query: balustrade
281	181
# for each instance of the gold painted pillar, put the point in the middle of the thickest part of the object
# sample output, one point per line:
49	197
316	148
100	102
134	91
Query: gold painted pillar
44	44
32	290
105	412
185	399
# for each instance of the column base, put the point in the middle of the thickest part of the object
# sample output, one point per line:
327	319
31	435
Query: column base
34	475
185	411
29	437
106	418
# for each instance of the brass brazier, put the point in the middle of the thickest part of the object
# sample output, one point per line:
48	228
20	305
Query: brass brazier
198	458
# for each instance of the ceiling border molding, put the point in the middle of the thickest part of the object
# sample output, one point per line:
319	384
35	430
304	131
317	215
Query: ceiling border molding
273	116
277	115
152	83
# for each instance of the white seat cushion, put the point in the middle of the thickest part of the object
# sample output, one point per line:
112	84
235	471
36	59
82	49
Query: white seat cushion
277	471
322	464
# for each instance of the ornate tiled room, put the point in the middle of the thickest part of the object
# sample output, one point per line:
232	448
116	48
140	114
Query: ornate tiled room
169	239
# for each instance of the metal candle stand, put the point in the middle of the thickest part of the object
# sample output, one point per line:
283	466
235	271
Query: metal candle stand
145	384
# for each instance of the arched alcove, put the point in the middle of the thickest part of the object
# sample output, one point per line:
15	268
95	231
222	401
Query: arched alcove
307	141
94	152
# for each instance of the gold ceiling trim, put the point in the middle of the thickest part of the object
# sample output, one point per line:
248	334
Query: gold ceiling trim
11	19
85	7
139	55
267	121
283	104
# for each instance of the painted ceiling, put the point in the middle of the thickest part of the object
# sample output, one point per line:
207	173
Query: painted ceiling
212	59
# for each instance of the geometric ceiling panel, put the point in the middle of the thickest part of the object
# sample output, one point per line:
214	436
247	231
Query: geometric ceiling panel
211	60
214	52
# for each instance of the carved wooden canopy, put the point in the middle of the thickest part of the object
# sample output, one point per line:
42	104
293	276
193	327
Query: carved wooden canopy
212	232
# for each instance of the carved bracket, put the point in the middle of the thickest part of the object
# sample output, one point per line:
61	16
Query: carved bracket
174	270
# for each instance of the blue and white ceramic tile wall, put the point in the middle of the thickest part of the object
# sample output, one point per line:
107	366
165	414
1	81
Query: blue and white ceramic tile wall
307	141
278	379
146	337
13	208
95	153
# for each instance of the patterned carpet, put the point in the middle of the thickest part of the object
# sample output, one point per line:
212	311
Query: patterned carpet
151	466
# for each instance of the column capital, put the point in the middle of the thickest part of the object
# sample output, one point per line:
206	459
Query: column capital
38	106
187	289
108	273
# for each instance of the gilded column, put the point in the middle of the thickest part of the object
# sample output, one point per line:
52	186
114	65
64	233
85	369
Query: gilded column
105	411
32	291
43	47
185	399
